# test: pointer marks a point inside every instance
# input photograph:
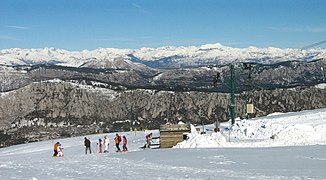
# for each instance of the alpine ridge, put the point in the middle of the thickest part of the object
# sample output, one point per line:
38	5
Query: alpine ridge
162	57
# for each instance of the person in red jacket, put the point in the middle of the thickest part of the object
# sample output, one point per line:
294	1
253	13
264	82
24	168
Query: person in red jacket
100	145
148	140
124	141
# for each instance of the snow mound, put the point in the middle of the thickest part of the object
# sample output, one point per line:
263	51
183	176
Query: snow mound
196	140
297	134
278	129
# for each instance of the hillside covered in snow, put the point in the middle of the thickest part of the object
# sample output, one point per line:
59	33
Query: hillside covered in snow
278	146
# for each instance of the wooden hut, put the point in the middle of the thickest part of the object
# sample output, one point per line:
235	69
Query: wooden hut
172	134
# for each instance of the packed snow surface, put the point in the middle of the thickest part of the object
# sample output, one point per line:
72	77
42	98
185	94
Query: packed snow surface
278	146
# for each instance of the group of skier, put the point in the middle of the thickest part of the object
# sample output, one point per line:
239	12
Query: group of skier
58	150
118	140
106	143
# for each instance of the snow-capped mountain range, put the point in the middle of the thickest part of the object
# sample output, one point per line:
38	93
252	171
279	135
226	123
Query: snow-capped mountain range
167	56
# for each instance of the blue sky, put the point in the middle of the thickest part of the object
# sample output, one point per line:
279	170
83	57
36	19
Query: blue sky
78	24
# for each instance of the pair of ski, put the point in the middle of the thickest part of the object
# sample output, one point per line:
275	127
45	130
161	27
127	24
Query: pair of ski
122	151
151	146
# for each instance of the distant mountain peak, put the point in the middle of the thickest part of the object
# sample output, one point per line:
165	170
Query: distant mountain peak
166	56
212	46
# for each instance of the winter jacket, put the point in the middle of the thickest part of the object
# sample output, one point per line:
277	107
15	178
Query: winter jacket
55	146
124	140
117	139
59	148
106	141
87	143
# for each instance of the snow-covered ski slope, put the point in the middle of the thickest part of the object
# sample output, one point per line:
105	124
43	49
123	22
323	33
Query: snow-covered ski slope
295	151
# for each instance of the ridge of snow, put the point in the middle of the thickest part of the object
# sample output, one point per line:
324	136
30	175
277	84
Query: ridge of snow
17	56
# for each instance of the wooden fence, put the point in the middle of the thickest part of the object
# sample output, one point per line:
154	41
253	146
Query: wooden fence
172	134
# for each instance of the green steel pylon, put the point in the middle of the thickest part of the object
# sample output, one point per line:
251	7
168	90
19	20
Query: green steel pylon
232	105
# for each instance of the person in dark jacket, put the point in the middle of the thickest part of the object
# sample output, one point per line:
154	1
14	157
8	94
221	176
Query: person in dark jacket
117	140
87	144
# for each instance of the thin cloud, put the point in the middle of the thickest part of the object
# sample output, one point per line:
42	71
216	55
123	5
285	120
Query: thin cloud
140	8
299	29
17	27
321	29
4	37
124	39
133	8
137	6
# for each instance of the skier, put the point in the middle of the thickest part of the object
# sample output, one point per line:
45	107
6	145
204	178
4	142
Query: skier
148	140
59	150
55	149
117	142
124	141
100	143
87	144
106	144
